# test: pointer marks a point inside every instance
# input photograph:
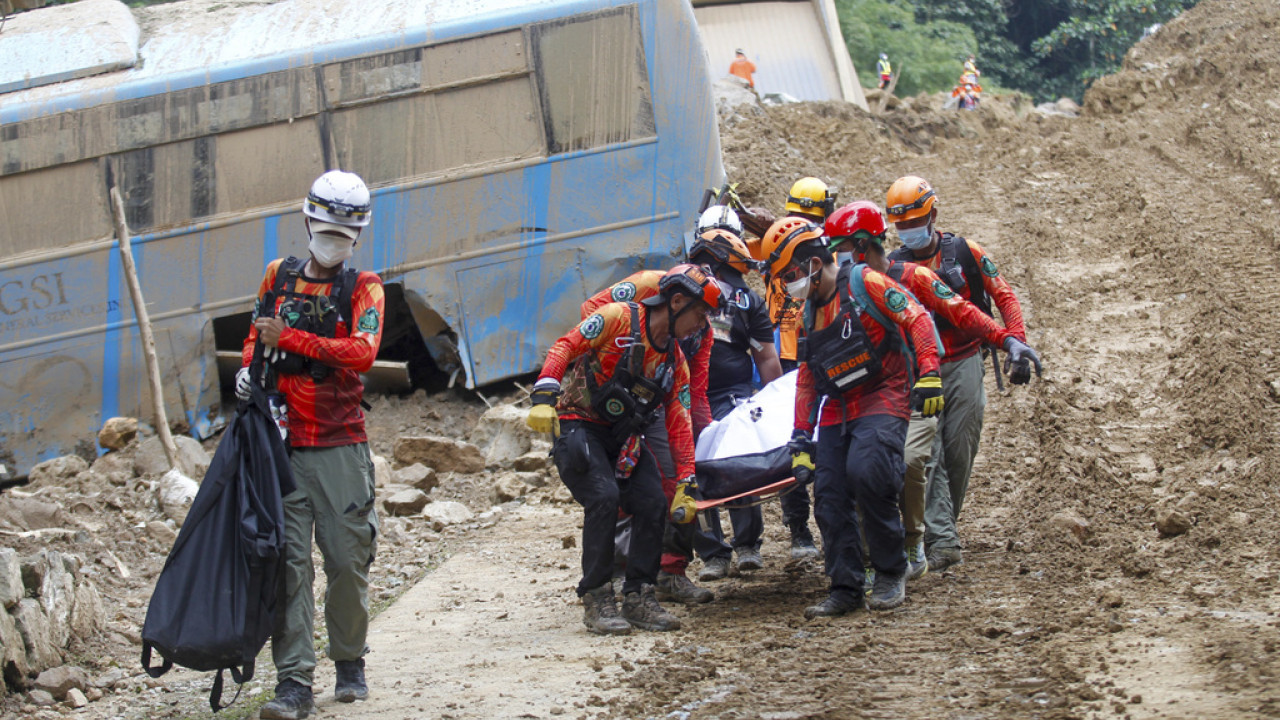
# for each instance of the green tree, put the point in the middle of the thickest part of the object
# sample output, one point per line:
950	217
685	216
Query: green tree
927	54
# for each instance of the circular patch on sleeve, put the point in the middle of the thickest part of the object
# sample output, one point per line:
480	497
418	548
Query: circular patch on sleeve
592	327
369	321
895	300
623	292
686	399
988	267
941	290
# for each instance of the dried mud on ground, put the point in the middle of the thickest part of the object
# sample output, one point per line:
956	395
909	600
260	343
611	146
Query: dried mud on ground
1142	240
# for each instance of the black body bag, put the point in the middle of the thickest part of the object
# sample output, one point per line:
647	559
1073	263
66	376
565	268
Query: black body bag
214	603
739	474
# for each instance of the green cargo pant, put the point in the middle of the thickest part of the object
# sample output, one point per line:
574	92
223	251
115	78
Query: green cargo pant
954	448
335	500
919	456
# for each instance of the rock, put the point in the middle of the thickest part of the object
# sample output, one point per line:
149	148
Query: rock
57	597
87	615
502	435
508	487
381	471
406	502
193	461
56	472
13	651
532	461
1072	523
33	626
11	588
58	681
76	698
111	678
40	698
443	513
115	468
29	513
419	476
116	432
1067	106
1172	522
440	453
33	572
93	694
175	492
161	533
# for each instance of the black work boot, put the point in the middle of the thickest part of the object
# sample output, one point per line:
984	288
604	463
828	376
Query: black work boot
642	610
802	542
600	612
293	701
835	605
350	686
887	592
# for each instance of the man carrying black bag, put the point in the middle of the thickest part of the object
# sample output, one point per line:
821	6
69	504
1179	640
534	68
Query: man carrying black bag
321	323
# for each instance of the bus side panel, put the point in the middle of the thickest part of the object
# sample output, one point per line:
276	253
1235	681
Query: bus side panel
49	402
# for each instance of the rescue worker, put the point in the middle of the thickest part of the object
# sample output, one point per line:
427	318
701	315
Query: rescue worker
856	233
885	71
969	272
743	68
855	320
618	366
970	71
678	538
321	323
809	199
743	335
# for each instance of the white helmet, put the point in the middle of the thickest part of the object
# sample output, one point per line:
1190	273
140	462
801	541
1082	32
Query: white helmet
338	198
719	216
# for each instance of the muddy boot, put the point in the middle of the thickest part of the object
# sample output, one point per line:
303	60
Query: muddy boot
802	546
642	610
942	558
749	559
714	569
917	563
835	605
350	685
679	588
888	592
600	613
293	701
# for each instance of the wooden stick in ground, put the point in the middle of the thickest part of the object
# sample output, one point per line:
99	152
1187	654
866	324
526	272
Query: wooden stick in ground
884	96
144	327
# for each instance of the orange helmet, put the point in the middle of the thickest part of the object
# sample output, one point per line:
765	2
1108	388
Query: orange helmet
909	197
691	280
782	239
726	248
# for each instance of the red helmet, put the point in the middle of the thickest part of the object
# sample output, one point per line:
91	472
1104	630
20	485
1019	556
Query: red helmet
859	220
693	281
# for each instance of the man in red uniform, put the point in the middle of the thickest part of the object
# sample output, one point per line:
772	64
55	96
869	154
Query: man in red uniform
321	324
618	366
856	233
967	270
856	323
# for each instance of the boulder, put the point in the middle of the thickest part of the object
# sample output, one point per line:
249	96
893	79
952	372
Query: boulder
502	435
40	698
34	568
117	432
1067	106
116	468
13	651
76	698
508	487
381	471
193	461
406	502
443	513
176	492
30	513
58	681
56	472
161	533
87	615
439	453
33	626
533	461
11	587
57	597
419	476
1172	522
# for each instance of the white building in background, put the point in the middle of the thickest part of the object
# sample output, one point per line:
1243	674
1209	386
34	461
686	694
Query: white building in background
797	46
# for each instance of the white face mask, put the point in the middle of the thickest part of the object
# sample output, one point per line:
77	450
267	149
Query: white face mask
916	238
331	251
799	289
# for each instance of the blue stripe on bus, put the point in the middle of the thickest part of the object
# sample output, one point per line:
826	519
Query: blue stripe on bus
111	342
270	239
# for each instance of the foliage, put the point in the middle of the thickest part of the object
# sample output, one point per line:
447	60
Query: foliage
929	55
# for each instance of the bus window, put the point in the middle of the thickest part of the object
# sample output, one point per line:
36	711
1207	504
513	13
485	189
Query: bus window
595	85
53	208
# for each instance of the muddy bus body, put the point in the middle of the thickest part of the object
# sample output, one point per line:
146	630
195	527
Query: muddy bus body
521	155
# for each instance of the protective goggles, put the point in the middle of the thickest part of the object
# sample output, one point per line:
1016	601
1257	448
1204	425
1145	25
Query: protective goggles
340	209
919	202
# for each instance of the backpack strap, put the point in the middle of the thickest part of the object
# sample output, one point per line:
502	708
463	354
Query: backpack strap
287	274
956	252
858	287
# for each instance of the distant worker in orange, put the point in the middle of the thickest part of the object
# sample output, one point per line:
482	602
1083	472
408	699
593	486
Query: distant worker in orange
743	68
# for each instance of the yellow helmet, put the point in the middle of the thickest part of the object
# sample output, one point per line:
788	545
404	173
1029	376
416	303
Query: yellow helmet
811	197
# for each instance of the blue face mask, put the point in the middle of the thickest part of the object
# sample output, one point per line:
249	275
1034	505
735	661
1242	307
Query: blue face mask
916	238
844	258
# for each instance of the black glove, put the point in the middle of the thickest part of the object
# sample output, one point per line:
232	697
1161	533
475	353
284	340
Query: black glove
1017	365
802	452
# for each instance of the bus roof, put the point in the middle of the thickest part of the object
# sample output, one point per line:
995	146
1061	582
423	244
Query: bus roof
196	42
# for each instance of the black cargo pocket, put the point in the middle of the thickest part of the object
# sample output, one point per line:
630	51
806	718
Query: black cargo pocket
894	446
572	452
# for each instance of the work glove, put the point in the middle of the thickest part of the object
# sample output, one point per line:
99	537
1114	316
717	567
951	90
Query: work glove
801	446
684	508
542	416
926	396
243	384
1017	365
274	354
280	415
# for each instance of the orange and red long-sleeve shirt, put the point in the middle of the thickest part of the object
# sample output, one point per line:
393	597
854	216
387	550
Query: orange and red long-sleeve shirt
328	413
596	345
958	342
888	393
641	286
939	299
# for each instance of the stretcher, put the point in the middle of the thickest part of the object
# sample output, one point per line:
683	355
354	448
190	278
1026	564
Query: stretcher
767	492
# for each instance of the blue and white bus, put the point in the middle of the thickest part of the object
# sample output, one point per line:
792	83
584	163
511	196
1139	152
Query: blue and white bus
522	154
